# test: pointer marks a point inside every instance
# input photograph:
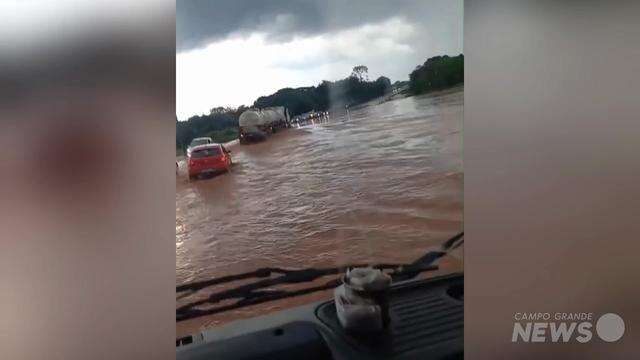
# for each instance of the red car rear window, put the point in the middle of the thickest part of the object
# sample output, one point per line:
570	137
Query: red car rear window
206	153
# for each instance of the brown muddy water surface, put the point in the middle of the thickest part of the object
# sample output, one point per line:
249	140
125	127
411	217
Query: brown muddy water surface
382	185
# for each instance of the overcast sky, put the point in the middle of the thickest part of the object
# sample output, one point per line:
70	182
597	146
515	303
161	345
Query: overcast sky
230	52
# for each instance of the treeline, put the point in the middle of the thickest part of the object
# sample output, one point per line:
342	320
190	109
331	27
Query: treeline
221	124
353	90
437	73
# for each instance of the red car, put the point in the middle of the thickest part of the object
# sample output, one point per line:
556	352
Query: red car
208	159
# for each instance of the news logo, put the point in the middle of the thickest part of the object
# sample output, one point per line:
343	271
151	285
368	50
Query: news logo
563	327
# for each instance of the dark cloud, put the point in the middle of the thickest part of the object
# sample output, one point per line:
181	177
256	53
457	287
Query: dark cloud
199	22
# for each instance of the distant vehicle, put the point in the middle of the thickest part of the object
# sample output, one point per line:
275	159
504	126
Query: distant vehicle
208	159
310	117
198	141
257	124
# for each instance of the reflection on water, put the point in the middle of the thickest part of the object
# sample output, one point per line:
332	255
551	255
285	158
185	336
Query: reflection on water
378	187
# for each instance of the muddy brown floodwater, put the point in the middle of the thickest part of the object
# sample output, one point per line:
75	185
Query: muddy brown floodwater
381	185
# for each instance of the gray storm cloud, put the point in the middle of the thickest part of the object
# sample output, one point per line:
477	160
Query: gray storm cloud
199	22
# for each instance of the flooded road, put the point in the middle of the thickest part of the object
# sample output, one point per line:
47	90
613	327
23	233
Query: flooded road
381	185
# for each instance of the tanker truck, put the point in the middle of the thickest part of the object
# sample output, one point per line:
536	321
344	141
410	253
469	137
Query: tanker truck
257	124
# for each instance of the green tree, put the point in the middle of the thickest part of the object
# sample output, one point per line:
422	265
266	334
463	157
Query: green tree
437	73
361	73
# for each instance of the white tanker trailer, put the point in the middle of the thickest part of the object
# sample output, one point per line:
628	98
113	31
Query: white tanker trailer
257	124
